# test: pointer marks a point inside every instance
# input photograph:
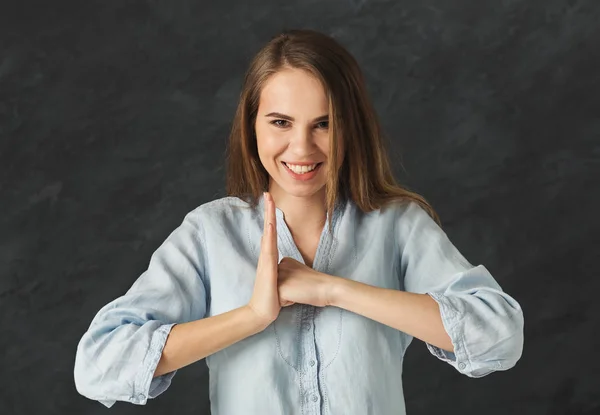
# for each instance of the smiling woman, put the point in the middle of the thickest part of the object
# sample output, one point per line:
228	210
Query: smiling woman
313	91
304	286
293	143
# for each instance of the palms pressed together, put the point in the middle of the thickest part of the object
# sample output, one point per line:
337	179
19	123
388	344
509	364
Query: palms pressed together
280	284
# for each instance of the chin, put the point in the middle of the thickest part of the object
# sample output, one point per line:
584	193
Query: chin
303	192
299	190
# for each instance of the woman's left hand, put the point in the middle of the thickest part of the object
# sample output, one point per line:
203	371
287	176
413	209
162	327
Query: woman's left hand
301	284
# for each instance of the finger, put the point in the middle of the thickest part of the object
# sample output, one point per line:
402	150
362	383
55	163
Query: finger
264	238
269	239
273	220
271	242
265	216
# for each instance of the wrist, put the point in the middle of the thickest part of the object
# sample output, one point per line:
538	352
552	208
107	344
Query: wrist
335	291
256	321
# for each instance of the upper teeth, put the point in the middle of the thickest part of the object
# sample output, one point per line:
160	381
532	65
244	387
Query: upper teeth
301	169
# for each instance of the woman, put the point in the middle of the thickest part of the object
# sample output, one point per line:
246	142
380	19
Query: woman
302	299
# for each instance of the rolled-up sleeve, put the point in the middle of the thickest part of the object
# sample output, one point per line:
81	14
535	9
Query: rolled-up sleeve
117	356
484	323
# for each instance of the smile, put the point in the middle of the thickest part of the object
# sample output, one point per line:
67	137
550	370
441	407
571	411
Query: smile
301	169
303	173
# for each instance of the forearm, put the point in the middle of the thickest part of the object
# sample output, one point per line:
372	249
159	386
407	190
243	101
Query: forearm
415	314
189	342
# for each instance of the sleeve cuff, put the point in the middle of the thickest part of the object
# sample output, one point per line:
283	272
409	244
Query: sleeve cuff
146	387
452	321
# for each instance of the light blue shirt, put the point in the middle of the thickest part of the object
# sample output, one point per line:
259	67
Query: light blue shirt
310	360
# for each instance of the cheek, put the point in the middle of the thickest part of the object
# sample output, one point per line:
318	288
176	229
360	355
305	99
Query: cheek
269	146
262	142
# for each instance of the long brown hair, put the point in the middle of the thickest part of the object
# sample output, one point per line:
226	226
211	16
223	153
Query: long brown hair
364	176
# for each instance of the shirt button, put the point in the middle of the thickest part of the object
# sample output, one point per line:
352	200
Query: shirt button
308	327
315	398
312	363
141	396
461	365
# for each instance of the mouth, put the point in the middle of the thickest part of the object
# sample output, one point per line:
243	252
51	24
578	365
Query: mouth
305	172
301	169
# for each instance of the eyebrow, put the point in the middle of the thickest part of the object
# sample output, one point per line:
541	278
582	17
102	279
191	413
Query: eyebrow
289	118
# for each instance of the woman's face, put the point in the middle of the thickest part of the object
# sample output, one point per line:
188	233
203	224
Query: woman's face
292	132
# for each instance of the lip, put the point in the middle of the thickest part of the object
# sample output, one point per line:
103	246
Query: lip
303	177
301	163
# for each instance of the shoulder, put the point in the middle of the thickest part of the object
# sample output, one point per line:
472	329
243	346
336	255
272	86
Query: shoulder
408	218
406	211
223	206
225	209
396	219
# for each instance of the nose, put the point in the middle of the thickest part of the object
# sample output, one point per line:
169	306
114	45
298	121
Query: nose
303	143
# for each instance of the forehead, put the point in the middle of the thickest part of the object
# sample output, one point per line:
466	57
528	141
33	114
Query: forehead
293	90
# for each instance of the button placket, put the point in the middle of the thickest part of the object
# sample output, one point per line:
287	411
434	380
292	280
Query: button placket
310	367
308	363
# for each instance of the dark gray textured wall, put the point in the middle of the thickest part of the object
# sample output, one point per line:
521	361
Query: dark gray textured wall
113	125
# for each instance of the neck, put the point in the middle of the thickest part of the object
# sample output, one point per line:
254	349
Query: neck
302	214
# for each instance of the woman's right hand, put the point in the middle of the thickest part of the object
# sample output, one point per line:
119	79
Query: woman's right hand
265	298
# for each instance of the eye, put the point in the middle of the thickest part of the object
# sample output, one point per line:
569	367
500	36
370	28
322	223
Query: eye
323	125
280	123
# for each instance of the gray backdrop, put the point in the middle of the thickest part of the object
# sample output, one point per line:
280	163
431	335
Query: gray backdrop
113	124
